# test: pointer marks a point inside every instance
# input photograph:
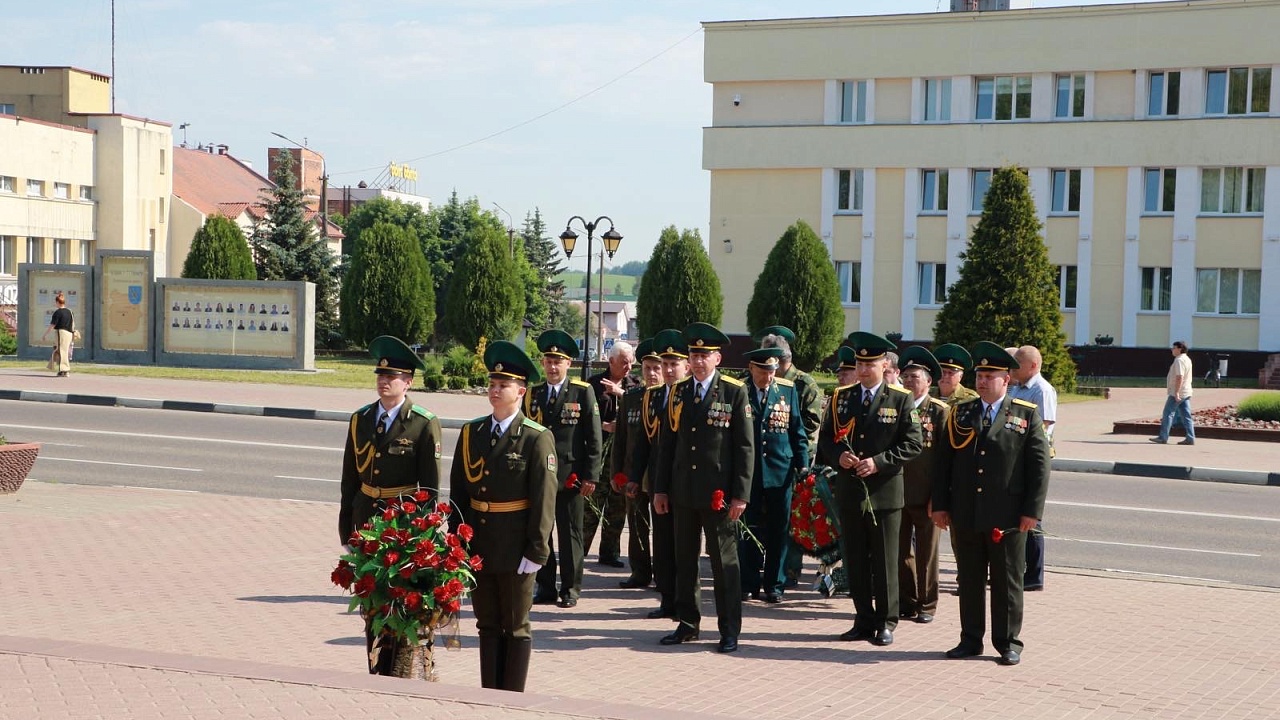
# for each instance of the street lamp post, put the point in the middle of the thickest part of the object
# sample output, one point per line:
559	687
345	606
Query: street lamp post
569	239
324	186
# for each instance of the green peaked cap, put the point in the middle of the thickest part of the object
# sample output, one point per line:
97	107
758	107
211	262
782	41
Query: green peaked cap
952	355
848	360
869	346
558	342
393	356
781	331
764	357
918	356
645	350
990	356
506	360
670	344
703	337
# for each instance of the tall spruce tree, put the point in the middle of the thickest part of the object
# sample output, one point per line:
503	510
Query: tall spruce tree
388	287
679	286
286	247
798	288
544	256
485	297
1007	291
219	251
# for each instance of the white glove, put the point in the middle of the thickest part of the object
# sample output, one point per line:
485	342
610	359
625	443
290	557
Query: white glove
528	567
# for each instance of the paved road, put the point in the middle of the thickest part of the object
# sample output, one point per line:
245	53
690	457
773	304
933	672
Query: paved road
1172	528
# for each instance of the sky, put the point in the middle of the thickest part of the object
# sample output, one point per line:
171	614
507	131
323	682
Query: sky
574	107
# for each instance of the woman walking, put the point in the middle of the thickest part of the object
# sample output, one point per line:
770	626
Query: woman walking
64	324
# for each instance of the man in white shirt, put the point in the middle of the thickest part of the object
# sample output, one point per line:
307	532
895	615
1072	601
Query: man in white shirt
1178	383
1031	386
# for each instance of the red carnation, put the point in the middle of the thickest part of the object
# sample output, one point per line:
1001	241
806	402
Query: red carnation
421	496
442	508
419	523
389	535
441	593
571	482
356	539
434	518
397	592
413	600
619	481
370	547
811	480
452	540
343	575
452	606
409	507
841	434
364	586
407	571
477	563
389	514
717	500
466	532
455	586
996	535
392	558
366	526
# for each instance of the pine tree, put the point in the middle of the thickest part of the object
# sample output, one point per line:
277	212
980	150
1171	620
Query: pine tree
388	287
798	288
544	257
679	286
1007	291
485	297
219	251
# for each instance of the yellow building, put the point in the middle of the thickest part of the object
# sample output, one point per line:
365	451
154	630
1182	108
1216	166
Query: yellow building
1150	133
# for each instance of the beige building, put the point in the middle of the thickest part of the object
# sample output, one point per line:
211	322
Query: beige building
1150	133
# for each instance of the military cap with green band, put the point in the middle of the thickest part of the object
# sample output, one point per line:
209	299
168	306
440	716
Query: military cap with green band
670	344
917	356
950	355
781	331
848	359
990	356
703	337
645	350
869	346
557	342
506	360
764	357
393	356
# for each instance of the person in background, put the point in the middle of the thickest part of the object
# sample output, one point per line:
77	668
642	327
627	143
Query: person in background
1178	384
1030	385
628	432
891	369
954	361
63	323
918	540
609	385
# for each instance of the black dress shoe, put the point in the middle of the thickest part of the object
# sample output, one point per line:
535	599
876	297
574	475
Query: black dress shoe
962	651
543	597
632	584
611	562
1033	588
773	598
882	637
1010	657
907	614
682	634
728	644
661	612
923	618
567	601
855	634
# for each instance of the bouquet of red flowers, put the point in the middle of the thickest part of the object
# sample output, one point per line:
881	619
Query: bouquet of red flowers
815	526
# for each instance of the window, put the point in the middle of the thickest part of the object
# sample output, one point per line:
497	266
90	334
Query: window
8	109
933	283
61	190
61	250
1066	191
1003	97
978	189
1159	192
163	166
160	207
853	101
1156	288
937	100
1067	287
1162	93
35	250
849	191
849	275
35	188
1069	99
933	191
1237	91
86	252
86	192
8	259
1228	291
1232	190
7	184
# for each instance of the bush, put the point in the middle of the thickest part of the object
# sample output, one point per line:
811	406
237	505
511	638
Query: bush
433	381
480	379
457	362
1261	406
457	383
8	343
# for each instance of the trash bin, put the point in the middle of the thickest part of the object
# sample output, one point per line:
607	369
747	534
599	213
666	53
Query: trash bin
1222	366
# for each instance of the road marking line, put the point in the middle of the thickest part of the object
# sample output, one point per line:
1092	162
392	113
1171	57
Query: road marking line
326	448
1157	547
300	477
104	462
1163	511
1163	575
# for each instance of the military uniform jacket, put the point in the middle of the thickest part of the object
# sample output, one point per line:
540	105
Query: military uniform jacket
521	465
408	454
574	420
811	399
961	394
782	447
990	481
646	450
917	475
706	446
628	433
888	433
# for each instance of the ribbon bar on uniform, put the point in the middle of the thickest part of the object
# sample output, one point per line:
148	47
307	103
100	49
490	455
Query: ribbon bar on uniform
500	507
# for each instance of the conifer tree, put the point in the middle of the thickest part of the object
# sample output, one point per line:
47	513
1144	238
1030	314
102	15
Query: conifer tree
219	251
679	286
388	287
485	296
798	288
1007	291
544	257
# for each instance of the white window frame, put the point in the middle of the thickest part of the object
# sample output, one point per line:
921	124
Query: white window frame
1064	199
1222	187
931	284
1157	290
1166	182
1231	282
35	185
850	281
7	184
86	193
35	250
937	180
8	255
937	97
853	102
1169	105
1075	83
1068	287
854	181
976	199
61	191
1015	92
1224	97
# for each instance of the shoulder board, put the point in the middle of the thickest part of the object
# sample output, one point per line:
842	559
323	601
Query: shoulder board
531	424
784	382
423	412
846	387
478	420
966	401
366	407
732	381
1024	403
687	379
583	383
900	389
936	402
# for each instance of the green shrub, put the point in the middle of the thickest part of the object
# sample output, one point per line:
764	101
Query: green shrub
457	362
435	366
456	382
8	343
433	381
480	379
1261	406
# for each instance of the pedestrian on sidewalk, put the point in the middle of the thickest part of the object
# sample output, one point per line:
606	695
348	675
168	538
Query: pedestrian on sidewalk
1030	385
1178	385
63	323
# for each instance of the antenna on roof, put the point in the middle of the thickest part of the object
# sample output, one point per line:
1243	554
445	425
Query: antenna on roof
183	127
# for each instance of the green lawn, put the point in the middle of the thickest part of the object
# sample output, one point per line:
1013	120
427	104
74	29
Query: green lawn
573	279
337	373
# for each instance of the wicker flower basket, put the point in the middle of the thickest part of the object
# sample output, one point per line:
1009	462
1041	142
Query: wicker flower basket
16	460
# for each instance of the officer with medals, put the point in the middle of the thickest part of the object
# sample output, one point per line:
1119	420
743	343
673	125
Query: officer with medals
953	362
626	435
504	482
918	545
670	346
568	409
704	477
990	486
781	452
392	449
870	433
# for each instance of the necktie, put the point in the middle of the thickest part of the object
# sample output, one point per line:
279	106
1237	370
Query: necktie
697	392
988	416
551	396
382	416
866	401
495	432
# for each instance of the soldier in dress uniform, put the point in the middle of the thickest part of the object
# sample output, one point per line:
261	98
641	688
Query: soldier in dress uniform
392	448
670	346
504	483
870	434
707	458
953	361
781	452
989	489
918	548
628	431
568	409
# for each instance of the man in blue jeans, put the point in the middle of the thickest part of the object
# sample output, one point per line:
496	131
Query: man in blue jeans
1179	401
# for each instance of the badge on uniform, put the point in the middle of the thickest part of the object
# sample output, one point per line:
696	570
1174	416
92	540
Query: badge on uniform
515	461
569	413
551	462
888	416
437	451
1016	424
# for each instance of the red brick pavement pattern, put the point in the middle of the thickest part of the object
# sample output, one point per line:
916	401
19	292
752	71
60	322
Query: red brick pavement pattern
239	579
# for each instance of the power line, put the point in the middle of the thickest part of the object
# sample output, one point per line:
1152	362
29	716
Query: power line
535	118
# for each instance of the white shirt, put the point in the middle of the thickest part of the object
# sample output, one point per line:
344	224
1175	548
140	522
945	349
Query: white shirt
502	424
1181	366
384	414
705	385
555	389
987	408
862	391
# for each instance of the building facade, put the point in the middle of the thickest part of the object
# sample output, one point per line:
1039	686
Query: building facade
1150	134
